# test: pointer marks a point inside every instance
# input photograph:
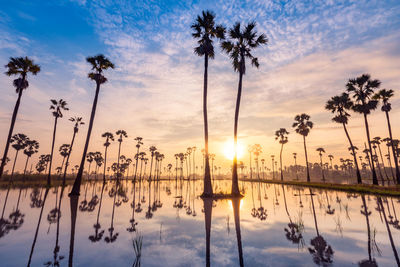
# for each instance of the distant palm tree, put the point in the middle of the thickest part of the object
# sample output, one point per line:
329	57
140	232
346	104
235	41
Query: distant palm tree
303	126
339	105
121	134
281	135
331	157
109	137
89	158
295	165
384	95
77	122
205	30
320	150
20	66
31	148
56	107
19	142
377	141
99	63
138	144
64	151
239	47
152	151
362	89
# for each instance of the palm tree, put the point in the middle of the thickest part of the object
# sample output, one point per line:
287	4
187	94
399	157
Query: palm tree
77	122
152	151
330	160
205	30
339	105
109	137
239	47
20	66
281	135
320	150
99	63
295	164
138	144
64	151
384	95
377	141
303	126
89	158
121	134
57	107
31	148
18	141
362	89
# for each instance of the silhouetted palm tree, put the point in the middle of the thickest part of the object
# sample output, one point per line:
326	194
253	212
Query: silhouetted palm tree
339	105
205	30
138	144
281	135
32	147
121	134
99	64
56	107
239	47
295	165
20	66
384	95
362	89
320	150
19	142
64	151
89	158
109	137
77	122
152	151
303	126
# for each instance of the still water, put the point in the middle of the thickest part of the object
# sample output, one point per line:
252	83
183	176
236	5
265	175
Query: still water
166	223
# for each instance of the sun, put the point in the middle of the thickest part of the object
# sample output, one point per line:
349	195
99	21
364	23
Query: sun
229	151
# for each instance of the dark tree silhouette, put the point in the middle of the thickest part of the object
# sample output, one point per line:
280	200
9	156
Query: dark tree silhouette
56	107
205	31
31	148
77	122
122	134
320	151
362	89
99	64
281	135
19	142
384	95
20	67
109	137
339	105
138	144
303	126
239	48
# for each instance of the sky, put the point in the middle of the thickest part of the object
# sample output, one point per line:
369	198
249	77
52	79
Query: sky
155	91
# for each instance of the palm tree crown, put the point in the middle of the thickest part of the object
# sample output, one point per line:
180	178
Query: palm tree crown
205	30
339	105
362	89
109	136
58	107
241	43
21	66
303	124
384	95
281	135
99	63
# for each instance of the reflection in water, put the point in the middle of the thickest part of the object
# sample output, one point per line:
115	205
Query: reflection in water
274	225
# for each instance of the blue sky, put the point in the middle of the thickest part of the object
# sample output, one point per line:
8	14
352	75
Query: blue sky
155	90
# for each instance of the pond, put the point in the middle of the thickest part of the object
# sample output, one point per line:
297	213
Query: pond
166	223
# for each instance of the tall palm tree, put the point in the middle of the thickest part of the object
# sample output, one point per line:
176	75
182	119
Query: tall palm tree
152	151
320	151
239	48
109	137
20	66
56	107
19	142
99	64
340	105
89	158
64	151
303	127
281	135
205	31
384	95
31	148
138	144
77	122
121	134
362	89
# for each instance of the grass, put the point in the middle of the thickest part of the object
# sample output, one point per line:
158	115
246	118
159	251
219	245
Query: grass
352	188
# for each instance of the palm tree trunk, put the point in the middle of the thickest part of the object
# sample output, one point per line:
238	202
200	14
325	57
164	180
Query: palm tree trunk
235	184
13	119
236	214
151	166
137	159
69	154
322	168
280	159
383	162
26	165
78	180
391	166
305	151
119	153
315	216
207	220
52	150
73	206
396	163
207	191
13	167
368	226
374	177
359	181
105	164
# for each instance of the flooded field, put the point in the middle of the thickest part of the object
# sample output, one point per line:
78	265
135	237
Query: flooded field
167	223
